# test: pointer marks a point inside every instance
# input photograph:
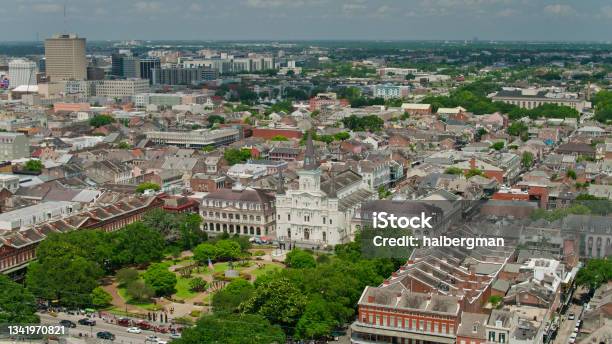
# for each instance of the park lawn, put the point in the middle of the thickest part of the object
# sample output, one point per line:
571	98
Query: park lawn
182	289
265	269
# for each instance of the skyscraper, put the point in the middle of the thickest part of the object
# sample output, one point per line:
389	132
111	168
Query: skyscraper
125	66
65	57
22	72
146	67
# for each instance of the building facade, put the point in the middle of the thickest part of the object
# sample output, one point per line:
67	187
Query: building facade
65	57
22	72
239	210
14	146
195	138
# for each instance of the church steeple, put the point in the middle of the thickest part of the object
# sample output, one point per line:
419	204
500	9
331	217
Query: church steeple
280	187
310	160
332	184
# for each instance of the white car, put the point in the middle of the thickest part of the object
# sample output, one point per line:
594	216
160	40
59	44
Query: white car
160	341
134	330
175	335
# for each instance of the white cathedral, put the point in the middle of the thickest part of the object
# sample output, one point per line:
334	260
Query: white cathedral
321	210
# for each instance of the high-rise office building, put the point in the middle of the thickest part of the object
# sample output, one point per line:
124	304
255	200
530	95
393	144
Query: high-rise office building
125	66
65	57
146	67
22	72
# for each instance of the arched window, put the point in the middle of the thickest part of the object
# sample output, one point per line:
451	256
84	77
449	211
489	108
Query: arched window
307	234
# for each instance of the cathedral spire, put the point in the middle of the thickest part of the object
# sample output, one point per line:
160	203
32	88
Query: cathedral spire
332	184
280	187
310	160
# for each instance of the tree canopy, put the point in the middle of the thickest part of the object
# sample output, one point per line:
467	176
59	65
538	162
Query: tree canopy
299	259
232	328
234	156
17	304
366	123
101	120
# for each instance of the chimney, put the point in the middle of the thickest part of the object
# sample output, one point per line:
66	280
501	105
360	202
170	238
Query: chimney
472	163
371	299
386	282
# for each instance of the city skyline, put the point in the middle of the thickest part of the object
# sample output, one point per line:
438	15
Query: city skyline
499	20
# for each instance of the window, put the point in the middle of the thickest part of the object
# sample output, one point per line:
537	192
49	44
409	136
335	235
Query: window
421	325
502	337
288	217
491	336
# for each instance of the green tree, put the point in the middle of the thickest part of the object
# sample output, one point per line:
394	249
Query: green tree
234	155
300	259
571	174
474	172
228	299
69	279
205	251
278	300
214	119
370	123
126	276
453	170
162	281
499	145
123	145
527	159
190	233
17	304
341	136
101	120
197	284
34	166
232	328
137	244
142	187
139	291
595	273
317	321
228	250
100	298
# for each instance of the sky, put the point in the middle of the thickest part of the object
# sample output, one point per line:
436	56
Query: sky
530	20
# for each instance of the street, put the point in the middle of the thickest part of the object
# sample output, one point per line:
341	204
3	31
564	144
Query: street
122	336
567	326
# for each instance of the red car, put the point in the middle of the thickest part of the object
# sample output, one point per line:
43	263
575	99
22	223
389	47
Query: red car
124	322
143	325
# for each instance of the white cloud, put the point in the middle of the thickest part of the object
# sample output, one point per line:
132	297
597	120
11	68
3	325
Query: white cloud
274	3
383	10
148	6
606	11
195	7
507	12
559	9
353	7
47	8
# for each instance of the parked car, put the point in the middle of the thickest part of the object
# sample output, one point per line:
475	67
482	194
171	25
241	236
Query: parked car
175	335
105	335
571	316
134	330
67	323
123	322
87	322
143	325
